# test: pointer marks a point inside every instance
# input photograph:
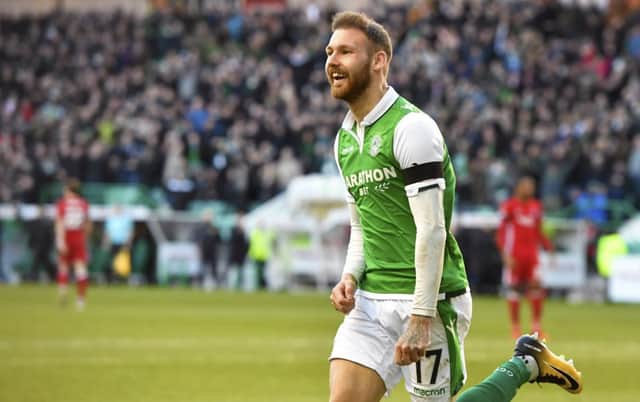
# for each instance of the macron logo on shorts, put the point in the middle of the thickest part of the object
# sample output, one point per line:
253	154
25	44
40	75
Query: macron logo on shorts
429	392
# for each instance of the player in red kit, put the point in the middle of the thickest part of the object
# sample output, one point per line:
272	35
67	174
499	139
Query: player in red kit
518	237
72	227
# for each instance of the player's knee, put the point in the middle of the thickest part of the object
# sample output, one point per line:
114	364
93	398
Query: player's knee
342	394
350	382
346	391
512	294
81	271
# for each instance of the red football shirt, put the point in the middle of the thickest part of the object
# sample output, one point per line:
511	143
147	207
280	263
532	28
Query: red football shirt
520	231
73	211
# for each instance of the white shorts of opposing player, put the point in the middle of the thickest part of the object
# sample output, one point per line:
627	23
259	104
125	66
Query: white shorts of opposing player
369	334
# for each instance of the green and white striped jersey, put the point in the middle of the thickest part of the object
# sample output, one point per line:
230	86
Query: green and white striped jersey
372	157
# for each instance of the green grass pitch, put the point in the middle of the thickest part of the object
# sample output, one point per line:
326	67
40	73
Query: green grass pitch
176	345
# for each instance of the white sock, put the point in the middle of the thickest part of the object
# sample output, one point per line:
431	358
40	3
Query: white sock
531	364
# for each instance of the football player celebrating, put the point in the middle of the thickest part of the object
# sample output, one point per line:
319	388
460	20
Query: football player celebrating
404	290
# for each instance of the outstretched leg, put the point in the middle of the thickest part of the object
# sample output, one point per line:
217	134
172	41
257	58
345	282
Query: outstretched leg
533	362
502	385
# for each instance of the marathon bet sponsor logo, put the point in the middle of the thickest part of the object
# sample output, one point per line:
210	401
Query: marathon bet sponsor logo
429	392
369	176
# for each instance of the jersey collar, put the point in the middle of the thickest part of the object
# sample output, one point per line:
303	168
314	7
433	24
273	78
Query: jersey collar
378	110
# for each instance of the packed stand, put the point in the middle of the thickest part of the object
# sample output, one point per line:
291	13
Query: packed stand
219	104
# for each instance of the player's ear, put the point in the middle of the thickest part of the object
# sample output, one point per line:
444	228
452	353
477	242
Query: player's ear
380	61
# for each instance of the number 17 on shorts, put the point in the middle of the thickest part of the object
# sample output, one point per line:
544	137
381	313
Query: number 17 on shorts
429	378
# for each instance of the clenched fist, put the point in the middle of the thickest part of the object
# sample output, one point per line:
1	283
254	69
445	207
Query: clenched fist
413	344
342	295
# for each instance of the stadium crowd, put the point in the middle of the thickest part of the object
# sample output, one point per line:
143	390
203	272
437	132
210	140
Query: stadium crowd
221	104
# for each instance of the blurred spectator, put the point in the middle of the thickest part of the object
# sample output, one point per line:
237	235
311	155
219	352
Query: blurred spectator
207	237
118	228
40	239
592	204
633	43
287	168
175	176
220	104
634	165
198	115
238	248
558	165
260	246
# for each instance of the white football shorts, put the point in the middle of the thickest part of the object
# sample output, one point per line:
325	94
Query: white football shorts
369	333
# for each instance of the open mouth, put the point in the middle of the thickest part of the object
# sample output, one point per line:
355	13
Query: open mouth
338	77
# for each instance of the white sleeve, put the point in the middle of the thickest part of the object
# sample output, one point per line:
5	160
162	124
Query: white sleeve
348	196
431	236
354	263
417	141
418	145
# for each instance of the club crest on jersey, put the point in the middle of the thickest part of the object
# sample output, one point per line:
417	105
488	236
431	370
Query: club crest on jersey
347	150
376	144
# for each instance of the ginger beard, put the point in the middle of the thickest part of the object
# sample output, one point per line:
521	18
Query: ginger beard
351	84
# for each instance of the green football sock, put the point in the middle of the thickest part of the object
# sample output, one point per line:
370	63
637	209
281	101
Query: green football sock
501	386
